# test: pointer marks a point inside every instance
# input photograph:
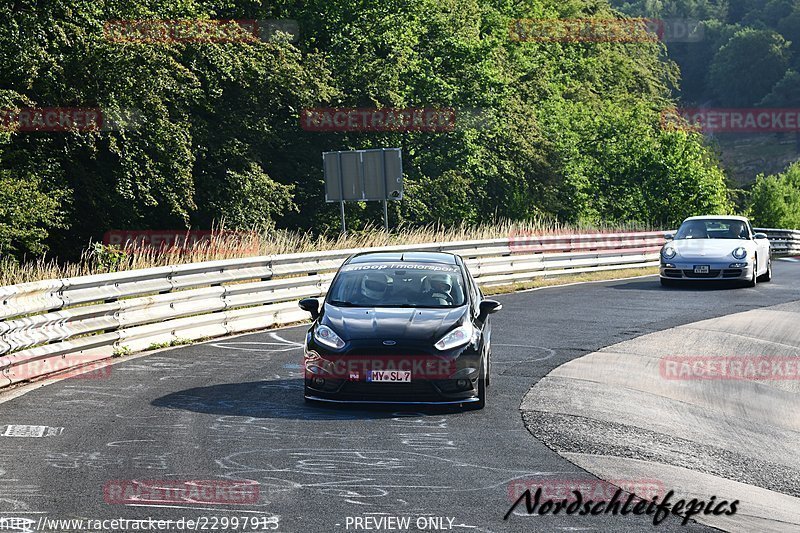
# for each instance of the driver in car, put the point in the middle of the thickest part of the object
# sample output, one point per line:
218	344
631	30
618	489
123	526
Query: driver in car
695	230
439	289
737	230
374	288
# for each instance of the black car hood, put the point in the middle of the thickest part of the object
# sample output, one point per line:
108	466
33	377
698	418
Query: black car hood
397	324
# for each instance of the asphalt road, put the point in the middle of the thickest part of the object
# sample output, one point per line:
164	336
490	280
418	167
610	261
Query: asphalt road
232	409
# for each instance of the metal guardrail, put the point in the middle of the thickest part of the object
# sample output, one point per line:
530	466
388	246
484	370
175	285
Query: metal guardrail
57	324
783	241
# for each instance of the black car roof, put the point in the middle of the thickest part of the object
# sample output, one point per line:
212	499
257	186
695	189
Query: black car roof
416	257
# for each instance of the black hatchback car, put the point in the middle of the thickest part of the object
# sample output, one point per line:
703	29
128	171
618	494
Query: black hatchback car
400	327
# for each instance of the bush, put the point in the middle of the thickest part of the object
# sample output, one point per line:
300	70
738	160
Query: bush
107	258
27	212
775	200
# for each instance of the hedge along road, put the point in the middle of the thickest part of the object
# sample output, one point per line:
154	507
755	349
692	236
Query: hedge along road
232	409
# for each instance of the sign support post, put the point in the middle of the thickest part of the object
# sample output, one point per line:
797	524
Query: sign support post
385	196
341	192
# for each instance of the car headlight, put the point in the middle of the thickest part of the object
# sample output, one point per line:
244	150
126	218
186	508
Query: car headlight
740	252
458	337
328	337
668	252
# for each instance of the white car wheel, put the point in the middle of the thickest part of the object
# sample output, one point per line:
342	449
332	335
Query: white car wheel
767	276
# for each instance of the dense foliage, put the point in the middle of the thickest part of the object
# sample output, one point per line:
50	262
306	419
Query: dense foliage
569	130
747	52
776	200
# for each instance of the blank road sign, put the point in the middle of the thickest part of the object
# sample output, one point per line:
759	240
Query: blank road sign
351	179
363	175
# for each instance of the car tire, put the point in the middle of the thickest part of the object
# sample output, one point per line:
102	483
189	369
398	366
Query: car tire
754	280
767	276
481	403
668	282
489	367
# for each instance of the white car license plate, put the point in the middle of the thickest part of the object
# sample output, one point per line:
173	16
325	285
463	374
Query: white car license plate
701	269
389	376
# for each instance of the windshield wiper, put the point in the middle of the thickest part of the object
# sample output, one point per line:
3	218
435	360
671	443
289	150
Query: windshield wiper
340	303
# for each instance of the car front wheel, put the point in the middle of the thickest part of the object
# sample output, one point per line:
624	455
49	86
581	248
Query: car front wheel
482	379
767	276
754	280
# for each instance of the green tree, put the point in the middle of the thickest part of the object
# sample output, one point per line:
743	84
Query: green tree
214	114
785	93
543	128
28	212
748	66
775	200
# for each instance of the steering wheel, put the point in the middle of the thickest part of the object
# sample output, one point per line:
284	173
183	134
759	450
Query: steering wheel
443	295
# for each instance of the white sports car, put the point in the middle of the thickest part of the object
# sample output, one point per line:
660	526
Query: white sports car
716	248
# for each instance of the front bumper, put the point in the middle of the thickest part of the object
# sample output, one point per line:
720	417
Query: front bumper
400	402
717	270
424	392
436	377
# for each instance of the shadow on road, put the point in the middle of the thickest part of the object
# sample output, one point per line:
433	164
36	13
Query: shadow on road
280	398
690	286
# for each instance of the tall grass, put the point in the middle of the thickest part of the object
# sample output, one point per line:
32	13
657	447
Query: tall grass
97	259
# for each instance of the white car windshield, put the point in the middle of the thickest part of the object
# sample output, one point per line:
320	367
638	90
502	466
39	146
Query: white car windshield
717	228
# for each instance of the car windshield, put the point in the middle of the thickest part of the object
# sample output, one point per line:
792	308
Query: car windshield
398	285
718	228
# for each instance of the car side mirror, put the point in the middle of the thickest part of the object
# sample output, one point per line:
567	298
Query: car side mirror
760	236
487	307
311	305
669	236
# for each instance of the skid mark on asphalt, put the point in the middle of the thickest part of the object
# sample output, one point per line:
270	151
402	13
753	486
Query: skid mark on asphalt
280	345
548	353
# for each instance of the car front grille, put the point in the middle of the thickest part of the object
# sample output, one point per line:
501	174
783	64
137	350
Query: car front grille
672	273
732	273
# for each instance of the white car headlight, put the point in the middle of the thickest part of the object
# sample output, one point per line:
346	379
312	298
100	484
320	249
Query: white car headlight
668	252
458	337
328	337
740	252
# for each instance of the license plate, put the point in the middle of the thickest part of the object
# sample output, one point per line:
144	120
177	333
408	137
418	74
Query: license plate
389	376
701	269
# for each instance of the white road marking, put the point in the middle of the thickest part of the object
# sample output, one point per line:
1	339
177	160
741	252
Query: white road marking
285	345
278	337
22	430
